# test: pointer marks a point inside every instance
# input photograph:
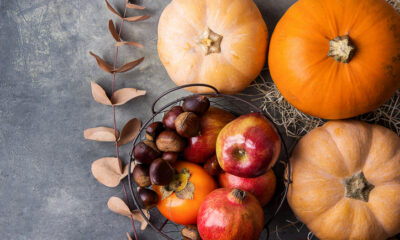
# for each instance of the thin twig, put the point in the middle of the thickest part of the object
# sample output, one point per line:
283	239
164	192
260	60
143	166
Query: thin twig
114	119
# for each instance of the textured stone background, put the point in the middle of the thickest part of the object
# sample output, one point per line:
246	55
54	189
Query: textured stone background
46	188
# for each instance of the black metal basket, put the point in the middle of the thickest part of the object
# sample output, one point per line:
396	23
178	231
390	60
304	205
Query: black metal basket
237	106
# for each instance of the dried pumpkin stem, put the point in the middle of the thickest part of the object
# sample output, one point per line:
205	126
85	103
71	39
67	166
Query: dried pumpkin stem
341	49
211	42
357	187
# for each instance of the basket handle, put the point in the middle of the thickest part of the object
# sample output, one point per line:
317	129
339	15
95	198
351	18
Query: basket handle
178	88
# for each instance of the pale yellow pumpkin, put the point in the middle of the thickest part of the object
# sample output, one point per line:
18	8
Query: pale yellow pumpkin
346	181
218	42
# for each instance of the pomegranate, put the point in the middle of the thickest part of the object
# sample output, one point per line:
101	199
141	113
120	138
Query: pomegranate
262	187
230	214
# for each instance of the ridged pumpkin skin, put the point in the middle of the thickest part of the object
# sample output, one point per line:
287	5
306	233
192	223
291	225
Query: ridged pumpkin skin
242	50
328	155
318	84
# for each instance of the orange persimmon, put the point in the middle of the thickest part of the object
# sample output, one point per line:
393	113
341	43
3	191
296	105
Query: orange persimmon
184	211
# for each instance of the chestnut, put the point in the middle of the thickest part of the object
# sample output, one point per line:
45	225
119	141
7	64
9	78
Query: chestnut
170	141
148	197
145	152
190	232
153	130
161	172
212	166
141	175
198	104
187	124
170	116
170	157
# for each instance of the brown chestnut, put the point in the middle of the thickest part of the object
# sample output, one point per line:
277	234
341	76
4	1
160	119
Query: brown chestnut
190	232
141	175
212	166
170	141
171	115
198	104
187	124
148	197
153	130
145	152
161	172
170	157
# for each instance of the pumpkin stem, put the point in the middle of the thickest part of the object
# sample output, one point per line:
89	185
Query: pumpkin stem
211	42
237	196
341	49
357	187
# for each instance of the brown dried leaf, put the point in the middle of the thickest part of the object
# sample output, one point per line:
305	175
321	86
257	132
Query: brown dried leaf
129	236
125	171
99	94
101	134
129	131
124	95
103	64
118	206
113	31
133	6
138	217
135	44
129	65
112	9
137	18
190	232
107	171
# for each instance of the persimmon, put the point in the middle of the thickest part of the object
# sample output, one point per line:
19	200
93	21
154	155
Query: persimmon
182	198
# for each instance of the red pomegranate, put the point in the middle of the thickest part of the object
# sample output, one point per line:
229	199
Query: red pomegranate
262	187
230	214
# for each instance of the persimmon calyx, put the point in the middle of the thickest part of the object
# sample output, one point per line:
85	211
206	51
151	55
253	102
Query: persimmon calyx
357	187
211	42
181	185
341	49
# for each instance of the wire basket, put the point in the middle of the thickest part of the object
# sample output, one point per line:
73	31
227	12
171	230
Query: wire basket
236	106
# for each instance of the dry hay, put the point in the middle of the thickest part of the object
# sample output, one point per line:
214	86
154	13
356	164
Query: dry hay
296	123
395	3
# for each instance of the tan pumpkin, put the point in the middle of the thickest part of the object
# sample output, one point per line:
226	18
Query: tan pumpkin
336	59
346	181
218	42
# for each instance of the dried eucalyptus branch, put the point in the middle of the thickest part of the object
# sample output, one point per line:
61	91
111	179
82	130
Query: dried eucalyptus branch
109	170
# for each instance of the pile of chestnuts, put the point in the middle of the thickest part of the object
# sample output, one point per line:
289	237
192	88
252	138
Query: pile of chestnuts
164	142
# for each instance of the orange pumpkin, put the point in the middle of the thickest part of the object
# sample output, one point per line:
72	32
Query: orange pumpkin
346	181
221	43
336	59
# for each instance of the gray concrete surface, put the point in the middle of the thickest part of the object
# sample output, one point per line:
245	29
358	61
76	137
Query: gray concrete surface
46	187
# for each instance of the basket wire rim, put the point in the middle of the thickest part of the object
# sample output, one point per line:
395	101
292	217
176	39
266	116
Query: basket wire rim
215	94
